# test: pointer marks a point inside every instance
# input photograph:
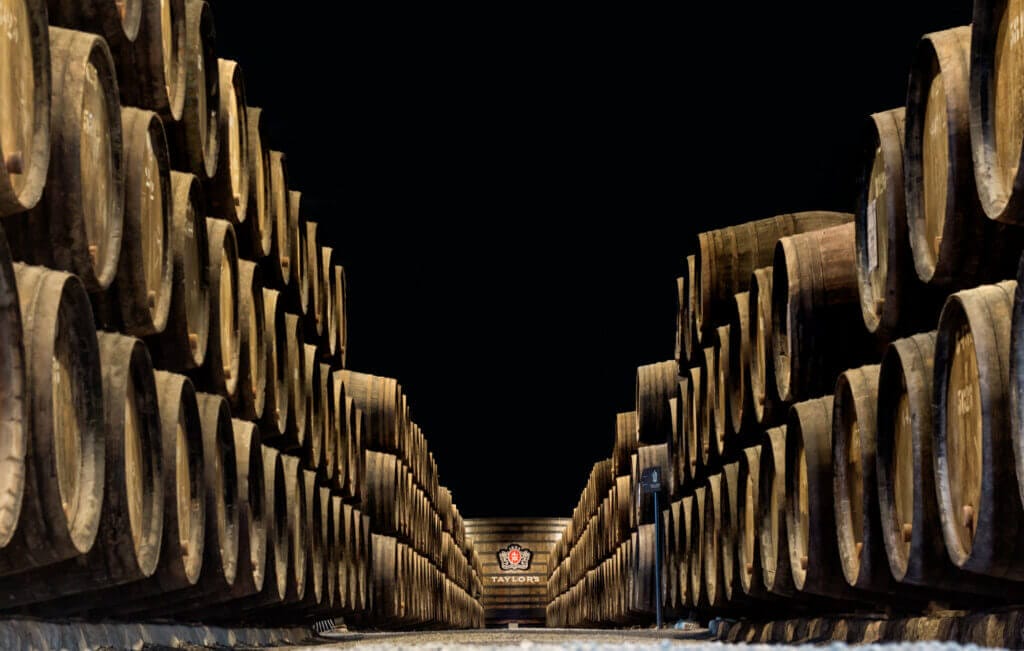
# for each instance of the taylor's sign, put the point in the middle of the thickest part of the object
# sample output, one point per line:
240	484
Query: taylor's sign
514	557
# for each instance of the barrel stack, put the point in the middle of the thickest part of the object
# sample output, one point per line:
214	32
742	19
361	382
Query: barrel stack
845	424
182	436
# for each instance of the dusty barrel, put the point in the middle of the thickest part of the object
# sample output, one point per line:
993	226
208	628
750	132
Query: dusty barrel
117	22
673	473
714	570
892	299
196	135
256	236
740	408
695	545
313	523
679	450
626	442
275	410
728	525
182	344
64	452
14	423
313	439
746	523
78	223
810	514
690	334
854	486
250	395
655	384
254	512
693	415
295	490
143	282
726	257
815	305
279	266
299	281
229	188
973	447
316	316
127	546
220	369
343	426
680	299
764	394
707	440
772	524
24	105
723	434
996	94
379	398
953	244
331	424
292	370
152	75
341	312
328	260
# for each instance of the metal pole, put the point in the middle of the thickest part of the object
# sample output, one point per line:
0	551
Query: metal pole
657	559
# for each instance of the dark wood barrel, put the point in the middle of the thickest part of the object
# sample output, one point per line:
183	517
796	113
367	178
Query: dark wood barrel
254	512
293	373
707	442
815	305
673	473
117	22
679	452
61	461
196	136
626	442
328	260
768	408
1016	379
250	395
331	424
313	439
655	384
78	223
685	524
280	263
220	369
143	282
330	506
182	344
726	257
810	514
229	188
314	540
341	312
854	486
729	527
694	412
295	487
152	73
723	434
379	398
776	573
25	107
695	544
299	281
344	426
275	411
911	525
14	423
973	448
680	300
953	244
690	335
746	523
740	409
997	127
316	317
257	236
127	545
893	301
714	570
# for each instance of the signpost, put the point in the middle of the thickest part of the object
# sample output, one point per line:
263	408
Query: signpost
650	482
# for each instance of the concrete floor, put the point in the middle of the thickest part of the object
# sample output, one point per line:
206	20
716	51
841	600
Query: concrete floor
536	639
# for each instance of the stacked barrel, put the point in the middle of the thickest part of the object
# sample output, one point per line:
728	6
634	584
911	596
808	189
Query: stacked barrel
844	428
181	437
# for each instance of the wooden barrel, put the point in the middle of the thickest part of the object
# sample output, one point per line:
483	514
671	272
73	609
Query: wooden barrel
275	411
854	486
299	281
77	224
764	394
695	544
953	244
331	425
25	107
61	462
679	453
250	395
810	514
626	442
295	487
379	397
726	257
259	232
997	128
117	22
328	260
14	423
280	263
151	74
673	474
313	523
723	434
655	384
892	299
341	312
815	305
182	345
254	511
127	545
329	550
740	410
143	282
714	570
680	299
690	335
196	136
707	441
773	538
294	374
729	528
745	521
220	369
974	450
313	439
316	316
229	188
344	424
695	396
644	593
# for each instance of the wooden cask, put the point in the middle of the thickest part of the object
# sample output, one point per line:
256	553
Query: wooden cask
379	398
714	571
250	395
679	452
143	282
726	257
680	299
299	252
707	441
229	187
295	487
117	22
182	345
626	442
254	511
14	423
220	369
953	244
740	407
313	439
256	237
815	306
772	523
77	225
275	411
690	334
695	396
25	107
328	259
280	263
973	446
695	544
295	372
746	523
655	384
196	136
854	486
893	301
313	523
316	316
769	409
61	460
151	74
729	528
723	434
341	313
331	425
997	123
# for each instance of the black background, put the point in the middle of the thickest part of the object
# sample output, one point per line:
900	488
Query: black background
514	189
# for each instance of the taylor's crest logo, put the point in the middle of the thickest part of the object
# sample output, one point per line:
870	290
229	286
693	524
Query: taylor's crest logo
514	557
